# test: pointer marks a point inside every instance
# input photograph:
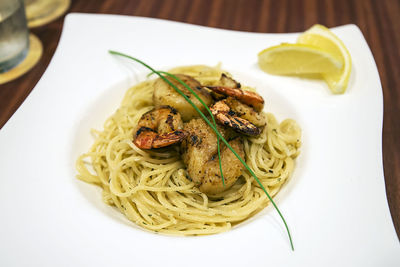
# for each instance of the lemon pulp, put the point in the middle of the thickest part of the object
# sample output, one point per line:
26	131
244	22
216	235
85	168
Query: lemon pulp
317	51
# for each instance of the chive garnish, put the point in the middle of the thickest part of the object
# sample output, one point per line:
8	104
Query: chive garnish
214	128
205	106
209	111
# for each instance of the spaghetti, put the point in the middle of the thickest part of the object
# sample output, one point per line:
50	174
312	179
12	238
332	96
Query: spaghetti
151	188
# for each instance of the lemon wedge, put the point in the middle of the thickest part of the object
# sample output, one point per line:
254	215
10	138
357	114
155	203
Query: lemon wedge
321	37
288	59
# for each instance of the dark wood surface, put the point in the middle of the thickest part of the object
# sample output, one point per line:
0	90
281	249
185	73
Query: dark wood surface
378	20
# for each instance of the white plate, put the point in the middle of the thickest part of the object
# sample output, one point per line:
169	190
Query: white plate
335	203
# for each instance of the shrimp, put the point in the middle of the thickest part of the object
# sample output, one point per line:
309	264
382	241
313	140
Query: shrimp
240	110
224	81
229	87
164	94
226	116
159	127
238	116
199	153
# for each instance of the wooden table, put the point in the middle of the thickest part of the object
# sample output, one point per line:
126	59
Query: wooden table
378	20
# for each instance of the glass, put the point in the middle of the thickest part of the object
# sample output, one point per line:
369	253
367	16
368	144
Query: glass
14	34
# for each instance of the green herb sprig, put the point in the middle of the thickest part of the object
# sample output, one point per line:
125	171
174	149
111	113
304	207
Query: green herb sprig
206	107
209	111
214	128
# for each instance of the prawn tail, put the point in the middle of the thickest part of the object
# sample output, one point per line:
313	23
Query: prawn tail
168	139
144	138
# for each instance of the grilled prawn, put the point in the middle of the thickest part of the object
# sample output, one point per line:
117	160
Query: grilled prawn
200	155
230	87
238	116
240	110
159	127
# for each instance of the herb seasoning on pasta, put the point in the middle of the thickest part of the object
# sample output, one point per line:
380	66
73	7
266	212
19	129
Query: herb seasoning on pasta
170	171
